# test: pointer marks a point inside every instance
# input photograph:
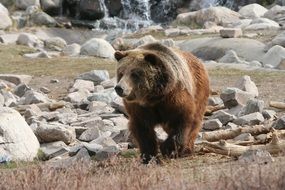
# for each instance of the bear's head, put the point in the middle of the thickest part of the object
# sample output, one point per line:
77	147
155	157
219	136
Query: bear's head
141	76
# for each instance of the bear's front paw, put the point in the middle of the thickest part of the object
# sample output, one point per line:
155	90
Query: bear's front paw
169	148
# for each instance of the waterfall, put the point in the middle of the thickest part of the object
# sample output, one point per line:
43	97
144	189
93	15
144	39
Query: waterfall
212	3
136	9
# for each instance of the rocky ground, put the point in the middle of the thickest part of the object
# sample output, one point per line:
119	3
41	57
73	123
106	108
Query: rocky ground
58	106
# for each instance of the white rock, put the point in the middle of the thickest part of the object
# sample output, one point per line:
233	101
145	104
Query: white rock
5	21
145	40
16	79
55	43
96	76
246	84
274	57
71	50
252	11
262	24
97	47
80	84
230	57
17	139
78	96
9	38
171	32
29	40
244	137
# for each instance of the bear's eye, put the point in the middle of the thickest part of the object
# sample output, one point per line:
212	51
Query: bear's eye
137	74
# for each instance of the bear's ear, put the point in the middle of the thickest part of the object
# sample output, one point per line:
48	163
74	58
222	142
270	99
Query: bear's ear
119	55
152	58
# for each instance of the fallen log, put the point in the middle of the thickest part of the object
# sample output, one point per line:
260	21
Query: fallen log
232	133
279	105
43	106
211	109
275	146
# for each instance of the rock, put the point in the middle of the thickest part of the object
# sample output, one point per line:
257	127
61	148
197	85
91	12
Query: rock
66	118
105	140
276	13
55	132
92	132
256	156
168	42
2	100
160	134
218	15
280	123
91	10
120	122
230	57
97	47
10	99
255	64
33	97
9	38
234	96
145	40
231	126
21	89
16	79
71	50
244	137
110	83
53	149
262	24
240	24
80	85
269	114
223	117
29	40
274	57
171	32
107	153
117	103
98	88
277	40
45	90
252	106
40	54
52	7
78	96
246	84
250	119
107	96
99	107
214	48
252	11
93	148
262	138
17	139
212	124
54	81
214	101
6	21
231	32
41	18
96	76
55	43
23	4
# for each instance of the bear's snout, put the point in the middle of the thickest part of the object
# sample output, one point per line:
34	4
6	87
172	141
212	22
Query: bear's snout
119	90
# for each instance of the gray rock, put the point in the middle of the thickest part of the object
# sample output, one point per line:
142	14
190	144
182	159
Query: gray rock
33	97
2	100
105	140
168	42
246	84
233	97
262	138
230	57
80	84
77	97
212	124
110	83
92	132
6	21
256	157
275	57
223	117
10	99
231	32
16	79
96	76
41	18
262	24
88	121
54	81
269	114
250	119
231	126
21	89
118	104
277	40
51	6
29	40
145	40
53	149
107	153
17	139
252	11
252	106
99	107
66	117
55	43
93	148
55	132
97	47
214	101
244	137
71	50
107	96
45	90
23	4
280	123
32	111
172	32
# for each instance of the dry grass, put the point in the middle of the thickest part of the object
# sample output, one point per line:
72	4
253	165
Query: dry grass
120	173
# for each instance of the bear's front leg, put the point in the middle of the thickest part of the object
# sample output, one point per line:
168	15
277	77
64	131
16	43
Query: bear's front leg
146	138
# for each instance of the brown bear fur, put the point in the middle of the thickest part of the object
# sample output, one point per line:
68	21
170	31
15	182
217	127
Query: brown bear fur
162	86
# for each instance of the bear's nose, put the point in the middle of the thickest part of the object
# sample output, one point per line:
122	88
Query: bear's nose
119	90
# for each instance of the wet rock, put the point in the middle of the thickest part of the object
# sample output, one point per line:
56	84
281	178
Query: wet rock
97	47
212	124
246	84
250	119
256	157
91	10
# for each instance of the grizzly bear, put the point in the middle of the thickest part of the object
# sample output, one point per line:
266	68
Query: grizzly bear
166	87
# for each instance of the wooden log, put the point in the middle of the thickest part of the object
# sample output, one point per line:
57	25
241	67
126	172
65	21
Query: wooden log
275	104
211	109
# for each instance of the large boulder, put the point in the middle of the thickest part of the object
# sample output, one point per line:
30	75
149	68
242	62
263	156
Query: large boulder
278	40
24	4
252	11
17	140
98	47
55	43
41	18
262	24
276	13
91	9
5	21
274	58
219	15
52	7
29	40
215	48
16	79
